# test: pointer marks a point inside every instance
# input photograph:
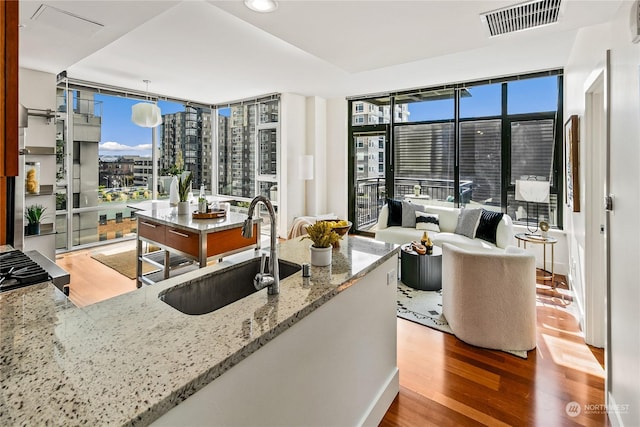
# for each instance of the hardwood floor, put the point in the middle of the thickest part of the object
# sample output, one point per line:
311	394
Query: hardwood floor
445	382
92	281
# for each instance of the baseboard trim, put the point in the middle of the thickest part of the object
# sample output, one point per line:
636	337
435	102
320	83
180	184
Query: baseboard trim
612	413
383	400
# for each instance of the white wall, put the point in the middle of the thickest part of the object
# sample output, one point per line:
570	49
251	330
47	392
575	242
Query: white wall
337	160
316	188
292	146
588	54
625	229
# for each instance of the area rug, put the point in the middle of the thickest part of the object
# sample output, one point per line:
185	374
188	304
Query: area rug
123	262
425	308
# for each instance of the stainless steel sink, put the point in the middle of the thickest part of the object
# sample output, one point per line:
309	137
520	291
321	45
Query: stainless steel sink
219	288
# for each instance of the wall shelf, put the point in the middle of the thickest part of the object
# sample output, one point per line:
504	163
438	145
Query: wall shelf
46	228
38	151
45	190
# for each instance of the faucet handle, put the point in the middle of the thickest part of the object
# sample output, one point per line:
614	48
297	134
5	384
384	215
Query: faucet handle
263	262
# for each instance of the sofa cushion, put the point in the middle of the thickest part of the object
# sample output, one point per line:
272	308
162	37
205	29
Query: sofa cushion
448	216
395	213
383	218
468	222
427	221
488	225
504	232
399	235
463	242
409	214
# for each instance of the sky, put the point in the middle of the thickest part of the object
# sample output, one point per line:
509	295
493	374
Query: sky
121	137
523	96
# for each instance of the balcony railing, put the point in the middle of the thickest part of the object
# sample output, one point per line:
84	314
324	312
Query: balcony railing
371	193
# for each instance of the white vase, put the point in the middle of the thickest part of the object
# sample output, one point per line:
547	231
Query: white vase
183	208
320	257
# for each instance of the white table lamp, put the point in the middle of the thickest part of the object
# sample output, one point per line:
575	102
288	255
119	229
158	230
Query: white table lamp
532	191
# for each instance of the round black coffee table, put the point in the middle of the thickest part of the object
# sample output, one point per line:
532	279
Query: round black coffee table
423	272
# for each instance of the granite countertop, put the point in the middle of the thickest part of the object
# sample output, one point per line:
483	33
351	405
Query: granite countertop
170	217
129	359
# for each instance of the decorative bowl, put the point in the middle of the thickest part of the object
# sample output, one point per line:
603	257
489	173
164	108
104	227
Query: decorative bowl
342	230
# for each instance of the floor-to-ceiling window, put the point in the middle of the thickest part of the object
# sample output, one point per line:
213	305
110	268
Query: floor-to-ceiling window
458	145
105	163
247	149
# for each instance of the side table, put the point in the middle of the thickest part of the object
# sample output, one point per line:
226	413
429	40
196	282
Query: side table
423	272
544	241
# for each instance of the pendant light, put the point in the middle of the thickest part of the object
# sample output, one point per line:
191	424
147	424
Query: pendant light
146	114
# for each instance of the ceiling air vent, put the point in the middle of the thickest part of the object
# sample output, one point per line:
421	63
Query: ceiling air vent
66	21
522	16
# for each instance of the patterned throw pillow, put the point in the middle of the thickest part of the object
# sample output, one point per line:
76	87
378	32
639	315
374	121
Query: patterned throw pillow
488	225
468	222
427	221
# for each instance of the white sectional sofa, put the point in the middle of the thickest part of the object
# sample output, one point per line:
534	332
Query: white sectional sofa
448	218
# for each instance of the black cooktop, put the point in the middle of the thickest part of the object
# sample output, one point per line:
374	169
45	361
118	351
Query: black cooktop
18	270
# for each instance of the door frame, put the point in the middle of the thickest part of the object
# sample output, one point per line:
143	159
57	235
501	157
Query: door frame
381	129
596	265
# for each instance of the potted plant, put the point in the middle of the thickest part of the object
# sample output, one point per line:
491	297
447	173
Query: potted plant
184	187
61	201
34	214
323	237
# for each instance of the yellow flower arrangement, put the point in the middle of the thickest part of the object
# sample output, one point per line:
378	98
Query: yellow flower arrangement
322	234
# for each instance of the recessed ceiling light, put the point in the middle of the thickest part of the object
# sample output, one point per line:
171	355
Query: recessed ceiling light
263	6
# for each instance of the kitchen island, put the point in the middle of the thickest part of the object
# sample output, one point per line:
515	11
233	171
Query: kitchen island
134	360
198	239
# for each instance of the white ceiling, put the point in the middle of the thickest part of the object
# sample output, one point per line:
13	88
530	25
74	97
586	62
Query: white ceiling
217	51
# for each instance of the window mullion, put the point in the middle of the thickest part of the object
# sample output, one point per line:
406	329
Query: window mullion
506	151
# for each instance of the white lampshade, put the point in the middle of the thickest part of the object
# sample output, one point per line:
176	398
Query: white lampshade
146	114
532	191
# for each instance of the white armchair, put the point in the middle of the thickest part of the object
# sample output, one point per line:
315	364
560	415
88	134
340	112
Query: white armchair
489	299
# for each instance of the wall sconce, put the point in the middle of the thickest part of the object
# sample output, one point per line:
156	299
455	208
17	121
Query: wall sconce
146	114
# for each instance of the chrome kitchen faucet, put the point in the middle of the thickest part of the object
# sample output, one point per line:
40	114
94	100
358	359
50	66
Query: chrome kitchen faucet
262	279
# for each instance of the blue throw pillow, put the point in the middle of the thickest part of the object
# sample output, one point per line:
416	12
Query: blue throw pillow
488	225
395	213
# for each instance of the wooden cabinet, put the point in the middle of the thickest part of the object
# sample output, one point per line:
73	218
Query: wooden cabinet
182	240
151	230
9	16
229	240
180	246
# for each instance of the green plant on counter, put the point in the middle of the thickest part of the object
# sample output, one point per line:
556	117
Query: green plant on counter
321	234
34	213
184	186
